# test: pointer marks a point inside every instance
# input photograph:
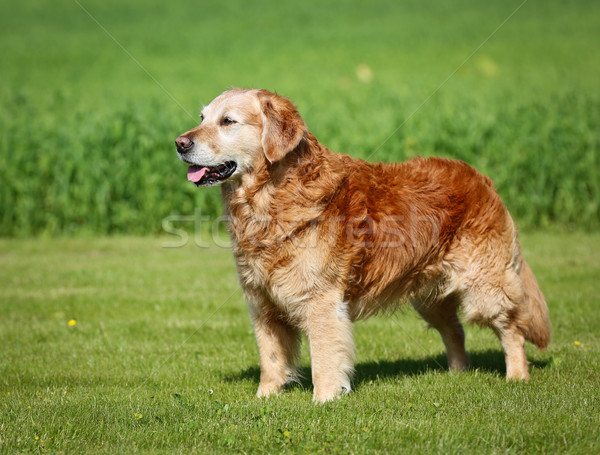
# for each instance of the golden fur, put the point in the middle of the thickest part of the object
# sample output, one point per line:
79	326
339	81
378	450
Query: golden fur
321	239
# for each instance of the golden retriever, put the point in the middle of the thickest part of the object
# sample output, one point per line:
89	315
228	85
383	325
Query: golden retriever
321	239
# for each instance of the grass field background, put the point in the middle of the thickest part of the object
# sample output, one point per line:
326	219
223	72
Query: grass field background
162	359
160	356
94	93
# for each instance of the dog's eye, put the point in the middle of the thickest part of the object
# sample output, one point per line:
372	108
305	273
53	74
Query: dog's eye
227	121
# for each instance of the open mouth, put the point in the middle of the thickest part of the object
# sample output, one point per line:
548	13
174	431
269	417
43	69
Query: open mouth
209	175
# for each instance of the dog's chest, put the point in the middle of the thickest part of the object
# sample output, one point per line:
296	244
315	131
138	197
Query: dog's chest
288	272
282	252
253	268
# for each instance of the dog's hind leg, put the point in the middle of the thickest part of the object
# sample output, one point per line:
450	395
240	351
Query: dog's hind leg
441	315
497	301
513	343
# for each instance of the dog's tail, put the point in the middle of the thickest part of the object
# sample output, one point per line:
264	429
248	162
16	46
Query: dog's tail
537	330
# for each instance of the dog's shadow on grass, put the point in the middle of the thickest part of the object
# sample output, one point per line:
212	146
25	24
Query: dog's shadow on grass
489	361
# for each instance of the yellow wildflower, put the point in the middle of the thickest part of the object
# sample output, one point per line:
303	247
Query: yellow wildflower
577	343
72	323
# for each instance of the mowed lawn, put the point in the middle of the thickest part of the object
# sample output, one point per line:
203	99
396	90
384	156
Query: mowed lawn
161	358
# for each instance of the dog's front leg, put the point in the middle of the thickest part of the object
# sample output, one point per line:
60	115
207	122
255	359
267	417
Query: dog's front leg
278	345
329	332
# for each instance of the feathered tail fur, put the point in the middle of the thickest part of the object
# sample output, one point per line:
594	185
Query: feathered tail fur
537	330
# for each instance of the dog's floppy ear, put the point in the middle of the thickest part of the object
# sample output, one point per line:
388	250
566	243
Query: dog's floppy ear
283	128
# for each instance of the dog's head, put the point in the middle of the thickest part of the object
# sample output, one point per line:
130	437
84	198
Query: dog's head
239	129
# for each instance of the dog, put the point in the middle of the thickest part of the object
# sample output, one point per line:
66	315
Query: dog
321	239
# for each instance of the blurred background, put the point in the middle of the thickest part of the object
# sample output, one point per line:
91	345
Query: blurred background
94	93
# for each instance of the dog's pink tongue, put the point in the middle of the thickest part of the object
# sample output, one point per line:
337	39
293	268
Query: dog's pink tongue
195	173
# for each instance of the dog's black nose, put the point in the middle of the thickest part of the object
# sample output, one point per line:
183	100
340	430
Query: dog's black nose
184	144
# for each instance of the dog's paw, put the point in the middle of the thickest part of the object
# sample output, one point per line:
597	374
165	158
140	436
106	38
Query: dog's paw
268	389
517	375
324	396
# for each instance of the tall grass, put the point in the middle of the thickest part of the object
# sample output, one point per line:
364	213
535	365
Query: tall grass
119	173
86	137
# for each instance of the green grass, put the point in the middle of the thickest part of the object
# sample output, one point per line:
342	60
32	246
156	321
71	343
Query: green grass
162	359
86	135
